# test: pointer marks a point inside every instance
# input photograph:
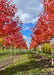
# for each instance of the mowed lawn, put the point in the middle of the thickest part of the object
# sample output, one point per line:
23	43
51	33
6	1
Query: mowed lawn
6	53
26	65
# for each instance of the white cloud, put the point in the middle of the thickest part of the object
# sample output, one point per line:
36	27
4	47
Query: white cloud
25	17
35	19
27	43
28	10
26	38
26	28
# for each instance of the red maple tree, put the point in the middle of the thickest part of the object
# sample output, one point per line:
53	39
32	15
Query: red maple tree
43	31
10	26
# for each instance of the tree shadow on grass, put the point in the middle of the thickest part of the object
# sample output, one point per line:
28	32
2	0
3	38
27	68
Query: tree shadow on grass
43	61
20	68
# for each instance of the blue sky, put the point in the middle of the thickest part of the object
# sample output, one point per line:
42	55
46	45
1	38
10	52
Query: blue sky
28	11
53	39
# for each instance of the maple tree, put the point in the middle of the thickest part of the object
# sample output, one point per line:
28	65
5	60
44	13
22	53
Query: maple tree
7	12
43	31
10	26
16	41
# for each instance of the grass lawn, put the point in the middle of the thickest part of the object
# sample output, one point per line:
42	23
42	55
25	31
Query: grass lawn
2	52
6	53
26	65
4	57
41	53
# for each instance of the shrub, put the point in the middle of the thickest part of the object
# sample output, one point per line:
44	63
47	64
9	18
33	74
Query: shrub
47	48
37	48
44	48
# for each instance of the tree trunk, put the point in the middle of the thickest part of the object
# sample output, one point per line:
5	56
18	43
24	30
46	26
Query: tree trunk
42	50
52	54
10	53
52	69
15	50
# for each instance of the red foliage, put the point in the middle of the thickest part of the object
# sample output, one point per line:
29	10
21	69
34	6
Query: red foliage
16	41
43	31
10	26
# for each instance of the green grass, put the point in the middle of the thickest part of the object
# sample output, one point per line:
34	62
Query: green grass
26	65
45	54
4	57
6	53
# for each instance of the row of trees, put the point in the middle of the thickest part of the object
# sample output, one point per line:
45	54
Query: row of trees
43	31
46	48
10	26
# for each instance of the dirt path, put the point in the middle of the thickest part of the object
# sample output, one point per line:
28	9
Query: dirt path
6	62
